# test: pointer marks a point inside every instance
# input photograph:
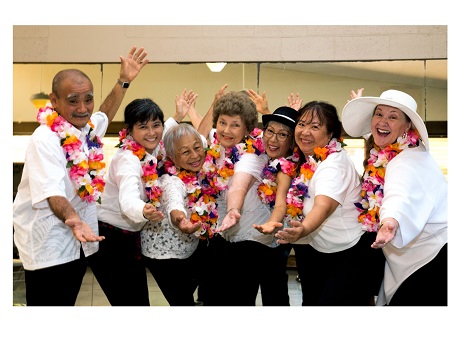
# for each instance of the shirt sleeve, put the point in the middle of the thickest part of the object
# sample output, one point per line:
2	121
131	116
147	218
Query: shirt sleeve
127	175
173	195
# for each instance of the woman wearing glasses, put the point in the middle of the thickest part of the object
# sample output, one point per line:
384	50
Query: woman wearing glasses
277	174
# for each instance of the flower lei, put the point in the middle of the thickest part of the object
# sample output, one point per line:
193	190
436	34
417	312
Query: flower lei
149	166
202	194
252	144
374	179
86	169
299	185
268	186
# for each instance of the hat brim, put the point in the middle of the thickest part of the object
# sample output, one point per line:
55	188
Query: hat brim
357	115
277	118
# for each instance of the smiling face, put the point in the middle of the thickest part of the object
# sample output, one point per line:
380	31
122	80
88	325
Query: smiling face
74	99
148	134
388	124
277	140
189	153
309	134
230	130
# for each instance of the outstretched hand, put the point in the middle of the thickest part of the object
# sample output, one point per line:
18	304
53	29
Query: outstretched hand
152	214
292	234
231	218
82	230
132	64
269	227
385	234
186	226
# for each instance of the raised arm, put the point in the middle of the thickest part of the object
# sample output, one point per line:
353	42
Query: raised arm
261	102
206	123
130	68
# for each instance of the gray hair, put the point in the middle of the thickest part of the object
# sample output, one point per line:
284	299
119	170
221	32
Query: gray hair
173	134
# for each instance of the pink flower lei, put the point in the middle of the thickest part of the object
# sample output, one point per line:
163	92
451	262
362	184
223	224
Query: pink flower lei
299	185
374	179
252	144
202	192
86	168
149	166
268	187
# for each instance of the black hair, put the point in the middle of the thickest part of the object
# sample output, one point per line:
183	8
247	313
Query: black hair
142	110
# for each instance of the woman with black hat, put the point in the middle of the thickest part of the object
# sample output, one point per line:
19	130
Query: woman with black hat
404	198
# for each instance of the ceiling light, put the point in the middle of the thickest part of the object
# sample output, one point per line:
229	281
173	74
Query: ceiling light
216	66
39	100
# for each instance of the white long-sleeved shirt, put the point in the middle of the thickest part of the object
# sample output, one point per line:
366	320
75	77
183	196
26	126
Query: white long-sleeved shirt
415	194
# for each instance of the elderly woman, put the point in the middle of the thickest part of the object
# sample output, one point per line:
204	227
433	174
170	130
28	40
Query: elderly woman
187	190
237	263
328	240
404	198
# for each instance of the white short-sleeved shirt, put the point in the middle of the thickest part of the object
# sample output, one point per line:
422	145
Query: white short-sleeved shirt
337	178
124	195
163	240
415	194
42	239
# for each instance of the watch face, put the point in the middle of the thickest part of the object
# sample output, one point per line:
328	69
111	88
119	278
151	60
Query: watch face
125	85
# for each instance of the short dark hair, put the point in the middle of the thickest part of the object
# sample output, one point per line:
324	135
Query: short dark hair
142	110
326	114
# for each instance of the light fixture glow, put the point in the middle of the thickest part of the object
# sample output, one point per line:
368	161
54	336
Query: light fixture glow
39	100
216	66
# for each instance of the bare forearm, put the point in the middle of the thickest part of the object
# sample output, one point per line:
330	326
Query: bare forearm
62	208
113	101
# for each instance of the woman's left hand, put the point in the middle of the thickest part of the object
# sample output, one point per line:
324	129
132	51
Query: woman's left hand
231	218
292	234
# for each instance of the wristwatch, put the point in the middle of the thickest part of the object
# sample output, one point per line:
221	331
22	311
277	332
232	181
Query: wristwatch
124	84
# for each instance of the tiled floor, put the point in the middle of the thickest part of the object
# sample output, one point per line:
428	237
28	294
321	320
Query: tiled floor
91	293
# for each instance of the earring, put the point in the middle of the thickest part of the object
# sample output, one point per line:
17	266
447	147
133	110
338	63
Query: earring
404	135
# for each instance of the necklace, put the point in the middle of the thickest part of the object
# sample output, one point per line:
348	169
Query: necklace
374	179
202	194
85	165
268	187
252	144
149	166
299	185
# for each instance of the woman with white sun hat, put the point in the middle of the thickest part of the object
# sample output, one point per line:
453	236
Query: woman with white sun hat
404	198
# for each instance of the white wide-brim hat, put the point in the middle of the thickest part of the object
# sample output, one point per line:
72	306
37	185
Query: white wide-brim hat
357	113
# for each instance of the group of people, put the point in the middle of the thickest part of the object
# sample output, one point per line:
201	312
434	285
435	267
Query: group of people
219	204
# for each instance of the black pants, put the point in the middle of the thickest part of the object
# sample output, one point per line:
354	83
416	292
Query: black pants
118	267
176	279
55	286
333	279
425	287
237	269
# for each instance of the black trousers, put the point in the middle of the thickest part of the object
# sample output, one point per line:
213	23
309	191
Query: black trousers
118	267
55	286
176	278
333	279
425	287
237	269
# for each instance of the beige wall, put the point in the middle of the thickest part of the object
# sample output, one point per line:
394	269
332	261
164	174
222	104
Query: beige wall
241	43
40	51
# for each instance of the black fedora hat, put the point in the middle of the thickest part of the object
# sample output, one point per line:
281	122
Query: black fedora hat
285	115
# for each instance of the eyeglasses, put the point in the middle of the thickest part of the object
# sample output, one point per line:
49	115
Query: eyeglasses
282	137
